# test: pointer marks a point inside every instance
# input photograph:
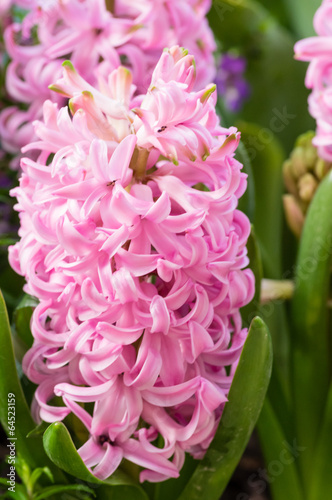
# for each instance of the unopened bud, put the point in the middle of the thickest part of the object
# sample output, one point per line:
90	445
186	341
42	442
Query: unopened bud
302	173
307	187
290	181
298	162
294	214
321	168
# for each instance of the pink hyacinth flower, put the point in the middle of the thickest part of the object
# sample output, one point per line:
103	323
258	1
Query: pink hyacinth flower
318	50
140	275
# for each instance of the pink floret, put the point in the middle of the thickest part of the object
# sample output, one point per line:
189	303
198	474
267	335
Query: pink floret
318	50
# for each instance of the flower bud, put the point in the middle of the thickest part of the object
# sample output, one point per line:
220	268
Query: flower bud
302	173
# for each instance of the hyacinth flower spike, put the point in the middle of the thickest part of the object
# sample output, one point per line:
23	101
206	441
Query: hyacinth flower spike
139	273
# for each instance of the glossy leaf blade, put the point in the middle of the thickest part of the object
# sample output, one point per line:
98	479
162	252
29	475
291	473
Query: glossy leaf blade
57	489
250	310
10	384
21	319
61	450
247	200
310	345
280	456
321	476
266	163
239	417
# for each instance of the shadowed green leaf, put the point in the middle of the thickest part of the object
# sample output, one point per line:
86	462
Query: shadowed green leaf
54	490
11	395
247	200
321	474
310	343
21	319
280	456
239	417
250	311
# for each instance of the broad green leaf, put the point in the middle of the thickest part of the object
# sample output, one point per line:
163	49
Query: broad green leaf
61	450
280	456
54	490
250	311
310	343
247	200
281	402
321	474
39	430
21	318
266	164
10	385
278	106
239	417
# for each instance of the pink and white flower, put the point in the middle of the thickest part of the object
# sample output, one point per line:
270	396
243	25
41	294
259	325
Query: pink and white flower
139	273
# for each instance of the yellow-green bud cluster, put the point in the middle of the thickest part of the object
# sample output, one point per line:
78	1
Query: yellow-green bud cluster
302	172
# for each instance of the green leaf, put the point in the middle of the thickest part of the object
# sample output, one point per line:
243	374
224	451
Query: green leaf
18	494
239	417
11	283
321	474
21	318
10	385
266	163
310	343
280	456
278	106
247	200
61	450
36	474
53	490
7	240
250	311
39	430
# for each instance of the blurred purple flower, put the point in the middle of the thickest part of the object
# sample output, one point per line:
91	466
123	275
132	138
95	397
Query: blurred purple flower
231	83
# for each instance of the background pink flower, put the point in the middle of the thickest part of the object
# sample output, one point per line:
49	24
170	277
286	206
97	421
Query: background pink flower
318	50
97	41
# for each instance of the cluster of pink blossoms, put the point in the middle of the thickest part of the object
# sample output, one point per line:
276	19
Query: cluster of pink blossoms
318	50
139	272
97	41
